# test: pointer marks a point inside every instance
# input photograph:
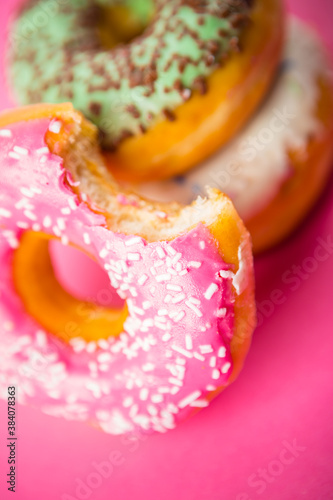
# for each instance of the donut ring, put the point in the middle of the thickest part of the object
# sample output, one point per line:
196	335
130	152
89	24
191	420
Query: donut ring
163	116
276	168
185	274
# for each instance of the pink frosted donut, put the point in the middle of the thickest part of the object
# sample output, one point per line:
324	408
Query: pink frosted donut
185	274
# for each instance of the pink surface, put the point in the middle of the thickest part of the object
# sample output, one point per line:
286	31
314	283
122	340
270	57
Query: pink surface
270	435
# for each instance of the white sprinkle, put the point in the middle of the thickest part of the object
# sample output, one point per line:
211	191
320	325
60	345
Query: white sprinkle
142	279
146	305
143	395
175	381
22	225
167	298
5	133
178	298
91	347
211	388
138	310
86	238
181	351
103	415
56	231
20	151
128	402
199	403
183	272
133	411
5	213
133	241
189	399
30	215
152	410
202	245
199	356
226	367
175	288
57	368
55	127
212	362
13	155
160	252
188	342
221	312
72	204
133	256
195	301
179	316
195	264
206	349
104	367
163	277
213	287
222	352
23	203
78	344
152	289
157	398
162	312
42	151
148	367
103	253
215	374
194	308
36	227
103	344
84	197
43	160
163	390
172	271
176	258
13	243
171	251
64	240
65	211
26	192
104	357
166	337
47	222
61	224
226	274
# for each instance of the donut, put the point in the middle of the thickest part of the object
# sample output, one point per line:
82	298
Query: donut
185	275
166	99
276	168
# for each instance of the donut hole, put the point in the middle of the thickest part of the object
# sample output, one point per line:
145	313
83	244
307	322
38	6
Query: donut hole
122	23
65	292
82	277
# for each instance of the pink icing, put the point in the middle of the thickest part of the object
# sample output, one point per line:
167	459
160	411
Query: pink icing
175	348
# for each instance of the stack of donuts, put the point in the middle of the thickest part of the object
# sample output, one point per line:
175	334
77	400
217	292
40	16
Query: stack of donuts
151	130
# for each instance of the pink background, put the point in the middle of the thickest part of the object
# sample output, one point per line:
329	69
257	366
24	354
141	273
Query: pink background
283	398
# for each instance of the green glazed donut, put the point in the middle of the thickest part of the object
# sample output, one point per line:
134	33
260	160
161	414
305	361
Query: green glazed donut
57	55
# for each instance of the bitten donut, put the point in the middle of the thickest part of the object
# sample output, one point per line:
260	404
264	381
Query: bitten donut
276	168
165	100
185	274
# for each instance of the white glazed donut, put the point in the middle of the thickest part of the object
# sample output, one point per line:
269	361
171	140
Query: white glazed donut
275	168
185	274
